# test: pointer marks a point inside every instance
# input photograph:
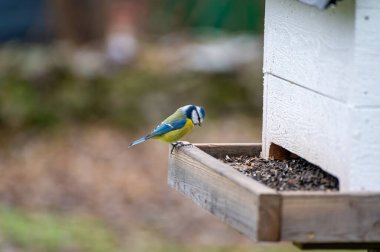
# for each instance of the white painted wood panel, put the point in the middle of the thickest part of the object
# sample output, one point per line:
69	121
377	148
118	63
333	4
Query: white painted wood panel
322	87
310	47
342	140
308	124
368	4
365	85
364	170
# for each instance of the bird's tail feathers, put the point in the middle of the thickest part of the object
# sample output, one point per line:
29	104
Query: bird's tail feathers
138	141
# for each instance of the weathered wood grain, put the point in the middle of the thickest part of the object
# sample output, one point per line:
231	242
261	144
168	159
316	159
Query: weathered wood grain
220	150
246	205
326	219
330	217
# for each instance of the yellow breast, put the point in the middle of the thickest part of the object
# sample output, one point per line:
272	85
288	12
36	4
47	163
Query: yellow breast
175	135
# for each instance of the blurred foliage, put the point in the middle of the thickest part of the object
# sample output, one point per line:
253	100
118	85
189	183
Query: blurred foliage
21	231
229	15
47	232
53	94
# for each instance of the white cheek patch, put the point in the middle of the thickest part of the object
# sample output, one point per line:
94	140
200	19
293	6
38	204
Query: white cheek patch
194	117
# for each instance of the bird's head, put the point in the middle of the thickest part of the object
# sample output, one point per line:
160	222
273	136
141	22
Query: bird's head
195	113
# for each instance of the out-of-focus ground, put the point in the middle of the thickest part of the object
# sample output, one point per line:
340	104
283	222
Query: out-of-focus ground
89	171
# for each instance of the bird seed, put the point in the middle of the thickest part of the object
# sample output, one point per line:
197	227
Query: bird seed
284	175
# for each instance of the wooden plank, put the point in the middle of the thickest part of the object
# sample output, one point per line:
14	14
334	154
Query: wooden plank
232	197
220	150
269	220
334	52
340	245
310	219
310	47
312	126
338	138
330	217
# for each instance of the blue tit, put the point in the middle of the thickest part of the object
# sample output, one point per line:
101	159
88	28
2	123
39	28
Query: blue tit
176	126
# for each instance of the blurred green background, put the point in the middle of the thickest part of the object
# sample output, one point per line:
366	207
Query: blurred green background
80	80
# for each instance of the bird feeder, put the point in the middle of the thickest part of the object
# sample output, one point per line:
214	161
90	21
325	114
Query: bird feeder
321	103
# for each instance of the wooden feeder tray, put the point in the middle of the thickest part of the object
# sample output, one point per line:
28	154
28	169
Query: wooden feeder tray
311	219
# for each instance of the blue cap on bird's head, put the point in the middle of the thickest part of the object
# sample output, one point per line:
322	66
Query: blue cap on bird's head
195	113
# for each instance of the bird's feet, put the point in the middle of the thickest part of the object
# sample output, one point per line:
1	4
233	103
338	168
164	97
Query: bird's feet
179	144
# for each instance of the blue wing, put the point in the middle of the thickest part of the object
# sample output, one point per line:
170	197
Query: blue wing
167	127
161	129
